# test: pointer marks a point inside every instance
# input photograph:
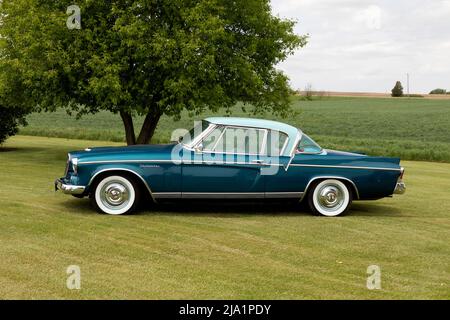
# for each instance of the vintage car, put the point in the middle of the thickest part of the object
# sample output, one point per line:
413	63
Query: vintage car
230	158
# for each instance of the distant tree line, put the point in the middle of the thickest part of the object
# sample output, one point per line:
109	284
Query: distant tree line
397	91
439	91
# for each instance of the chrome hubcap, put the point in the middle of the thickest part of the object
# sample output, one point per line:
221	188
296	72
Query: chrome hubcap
331	197
115	195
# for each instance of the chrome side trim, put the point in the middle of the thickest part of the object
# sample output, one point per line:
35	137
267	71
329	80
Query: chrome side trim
223	195
232	153
167	195
234	163
330	177
313	153
233	195
344	167
284	195
127	170
174	162
126	161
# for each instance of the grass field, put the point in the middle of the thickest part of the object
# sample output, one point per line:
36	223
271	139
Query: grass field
223	251
413	129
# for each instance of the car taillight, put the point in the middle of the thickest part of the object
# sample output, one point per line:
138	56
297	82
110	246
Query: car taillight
402	172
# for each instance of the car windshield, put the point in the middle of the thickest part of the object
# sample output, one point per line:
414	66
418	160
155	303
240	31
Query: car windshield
307	145
198	128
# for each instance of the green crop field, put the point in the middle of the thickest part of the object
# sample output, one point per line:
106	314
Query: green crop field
227	251
413	129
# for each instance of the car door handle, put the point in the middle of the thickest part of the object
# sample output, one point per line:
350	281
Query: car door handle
258	162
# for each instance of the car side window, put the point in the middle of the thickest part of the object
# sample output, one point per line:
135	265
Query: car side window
307	145
241	140
211	140
276	142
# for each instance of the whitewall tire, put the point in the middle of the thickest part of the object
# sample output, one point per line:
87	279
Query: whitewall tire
115	195
330	198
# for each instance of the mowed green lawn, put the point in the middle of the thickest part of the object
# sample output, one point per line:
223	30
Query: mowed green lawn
413	129
215	251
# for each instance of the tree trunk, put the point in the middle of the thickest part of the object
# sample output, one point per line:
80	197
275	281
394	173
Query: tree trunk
129	128
148	128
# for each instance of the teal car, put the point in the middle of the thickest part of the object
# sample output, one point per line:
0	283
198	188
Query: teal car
230	158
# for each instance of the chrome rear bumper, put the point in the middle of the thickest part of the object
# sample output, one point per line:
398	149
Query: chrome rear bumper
68	189
400	188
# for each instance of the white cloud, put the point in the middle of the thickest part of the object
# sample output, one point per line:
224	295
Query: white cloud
365	45
370	17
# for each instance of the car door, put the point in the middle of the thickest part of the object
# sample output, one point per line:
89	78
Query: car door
281	179
226	164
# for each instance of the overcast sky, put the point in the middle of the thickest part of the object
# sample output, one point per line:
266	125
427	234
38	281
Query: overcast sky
361	45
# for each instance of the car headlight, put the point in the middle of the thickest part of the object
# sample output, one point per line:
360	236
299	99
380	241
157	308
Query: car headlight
75	165
66	171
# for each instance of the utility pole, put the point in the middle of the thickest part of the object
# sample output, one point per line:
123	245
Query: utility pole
407	83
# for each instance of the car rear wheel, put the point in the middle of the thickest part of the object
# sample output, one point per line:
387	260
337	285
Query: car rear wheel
330	198
115	195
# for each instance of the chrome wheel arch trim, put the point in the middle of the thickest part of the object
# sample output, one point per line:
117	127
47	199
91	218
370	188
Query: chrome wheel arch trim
125	170
330	177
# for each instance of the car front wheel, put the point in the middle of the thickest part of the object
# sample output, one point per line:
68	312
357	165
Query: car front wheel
330	198
115	195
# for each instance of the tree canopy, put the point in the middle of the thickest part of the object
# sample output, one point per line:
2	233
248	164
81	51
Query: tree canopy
146	57
10	120
397	91
438	91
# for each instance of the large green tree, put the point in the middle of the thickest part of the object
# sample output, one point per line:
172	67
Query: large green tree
10	120
146	57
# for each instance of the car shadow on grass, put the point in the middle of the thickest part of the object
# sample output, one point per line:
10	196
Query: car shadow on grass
265	208
237	208
230	208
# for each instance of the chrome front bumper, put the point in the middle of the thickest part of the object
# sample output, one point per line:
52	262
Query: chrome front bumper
68	189
400	188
